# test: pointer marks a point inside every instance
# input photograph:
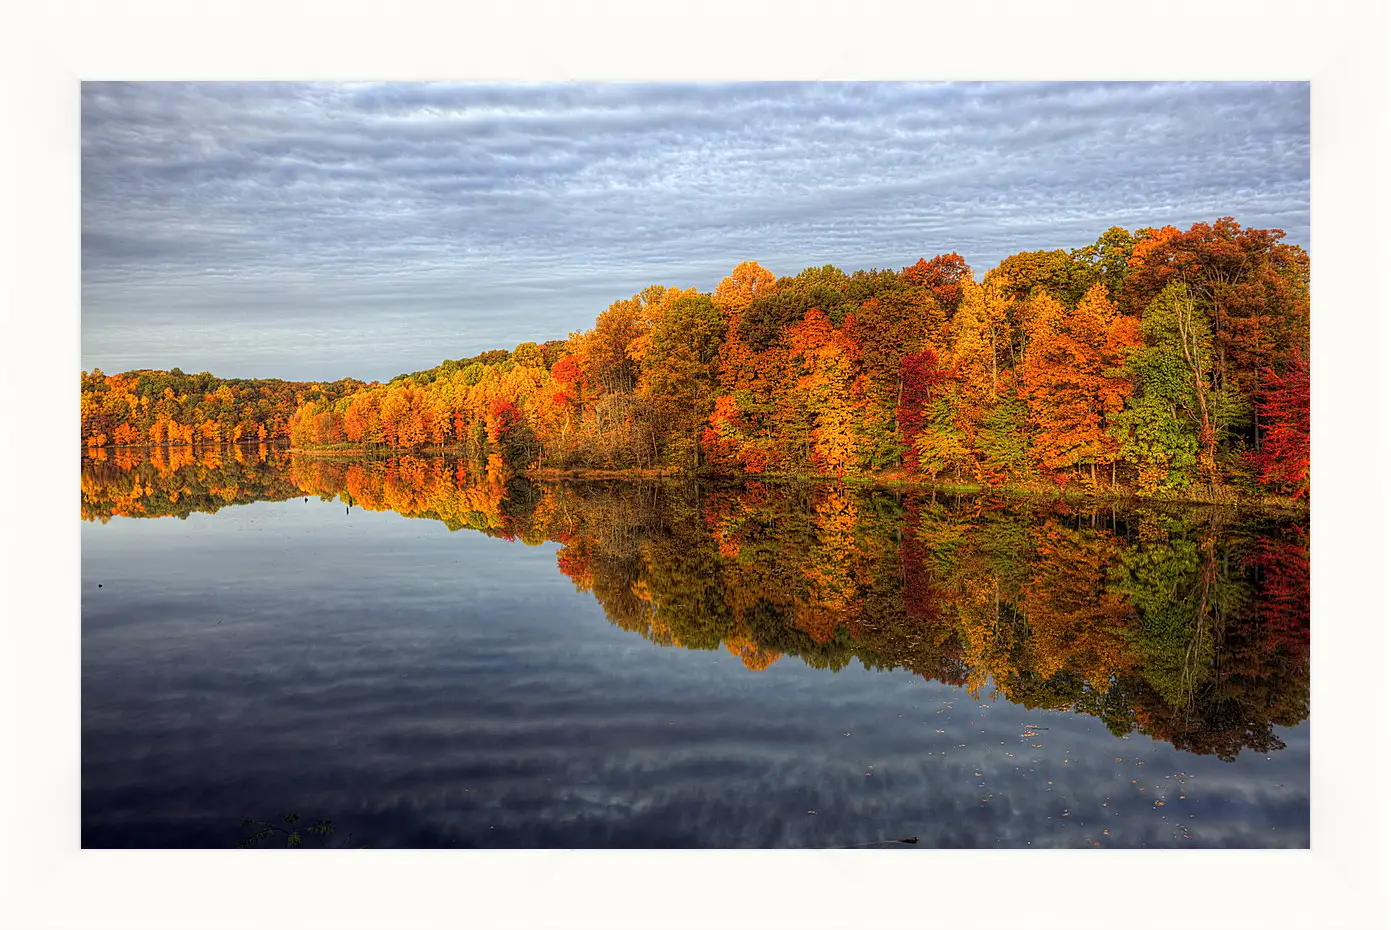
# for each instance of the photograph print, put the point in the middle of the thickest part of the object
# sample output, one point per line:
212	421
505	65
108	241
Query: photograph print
735	465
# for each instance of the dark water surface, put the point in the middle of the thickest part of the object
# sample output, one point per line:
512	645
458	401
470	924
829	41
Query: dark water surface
683	665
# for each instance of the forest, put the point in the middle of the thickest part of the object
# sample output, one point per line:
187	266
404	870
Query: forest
170	408
1190	625
1158	363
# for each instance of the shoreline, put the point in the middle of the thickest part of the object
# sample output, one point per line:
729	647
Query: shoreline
896	483
889	481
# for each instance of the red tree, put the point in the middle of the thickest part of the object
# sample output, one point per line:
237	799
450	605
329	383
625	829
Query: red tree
1283	461
922	376
942	276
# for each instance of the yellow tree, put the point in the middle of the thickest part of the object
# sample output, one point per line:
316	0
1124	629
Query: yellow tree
823	394
738	289
981	388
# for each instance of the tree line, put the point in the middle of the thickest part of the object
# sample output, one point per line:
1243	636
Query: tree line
1161	362
170	408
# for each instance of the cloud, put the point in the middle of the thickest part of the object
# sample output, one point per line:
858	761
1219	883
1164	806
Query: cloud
294	230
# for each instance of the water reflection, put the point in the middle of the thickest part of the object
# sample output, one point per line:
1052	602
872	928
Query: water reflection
1189	625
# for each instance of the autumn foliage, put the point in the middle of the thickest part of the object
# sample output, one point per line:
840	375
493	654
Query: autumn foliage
1162	362
1283	459
170	408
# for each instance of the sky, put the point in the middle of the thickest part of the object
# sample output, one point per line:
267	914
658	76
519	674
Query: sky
314	232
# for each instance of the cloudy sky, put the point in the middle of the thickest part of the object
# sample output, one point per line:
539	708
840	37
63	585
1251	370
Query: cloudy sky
320	231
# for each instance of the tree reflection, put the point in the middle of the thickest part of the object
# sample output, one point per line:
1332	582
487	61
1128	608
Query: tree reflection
1189	625
174	481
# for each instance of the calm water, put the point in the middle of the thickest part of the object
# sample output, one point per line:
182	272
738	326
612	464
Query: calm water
428	656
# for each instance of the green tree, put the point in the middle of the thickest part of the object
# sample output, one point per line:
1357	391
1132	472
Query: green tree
1171	424
679	373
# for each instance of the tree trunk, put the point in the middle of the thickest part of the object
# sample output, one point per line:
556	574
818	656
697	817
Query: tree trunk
994	365
1256	412
899	402
1188	339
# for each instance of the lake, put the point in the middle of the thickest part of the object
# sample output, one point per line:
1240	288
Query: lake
430	655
